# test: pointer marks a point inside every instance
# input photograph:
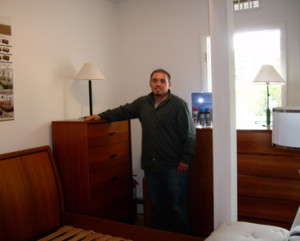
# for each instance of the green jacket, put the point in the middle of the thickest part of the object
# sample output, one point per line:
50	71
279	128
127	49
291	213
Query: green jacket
169	134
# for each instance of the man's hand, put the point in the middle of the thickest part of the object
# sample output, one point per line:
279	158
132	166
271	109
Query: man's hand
182	168
92	117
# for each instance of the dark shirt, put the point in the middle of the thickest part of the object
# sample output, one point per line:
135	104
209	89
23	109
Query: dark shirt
168	131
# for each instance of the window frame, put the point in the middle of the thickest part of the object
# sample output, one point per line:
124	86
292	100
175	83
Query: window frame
283	49
206	82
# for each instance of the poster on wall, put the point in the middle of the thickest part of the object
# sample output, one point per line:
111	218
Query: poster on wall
6	71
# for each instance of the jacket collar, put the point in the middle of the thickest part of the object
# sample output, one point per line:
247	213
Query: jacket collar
151	95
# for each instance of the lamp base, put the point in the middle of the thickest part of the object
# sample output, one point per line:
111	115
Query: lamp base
268	117
90	97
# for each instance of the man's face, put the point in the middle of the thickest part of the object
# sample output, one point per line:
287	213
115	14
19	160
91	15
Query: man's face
160	84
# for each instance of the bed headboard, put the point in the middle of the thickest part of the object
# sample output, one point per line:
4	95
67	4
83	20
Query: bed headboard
31	202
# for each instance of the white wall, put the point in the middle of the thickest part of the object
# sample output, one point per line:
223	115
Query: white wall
154	34
51	40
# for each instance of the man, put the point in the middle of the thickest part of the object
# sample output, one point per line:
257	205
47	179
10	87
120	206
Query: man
168	144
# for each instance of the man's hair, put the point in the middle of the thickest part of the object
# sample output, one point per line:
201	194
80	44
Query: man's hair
161	71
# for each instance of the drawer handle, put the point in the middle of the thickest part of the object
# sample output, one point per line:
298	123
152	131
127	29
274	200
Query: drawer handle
111	133
113	179
113	155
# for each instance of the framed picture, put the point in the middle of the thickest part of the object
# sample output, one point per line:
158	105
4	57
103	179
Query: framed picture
6	71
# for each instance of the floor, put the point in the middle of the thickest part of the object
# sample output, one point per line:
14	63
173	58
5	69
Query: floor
139	220
140	216
140	213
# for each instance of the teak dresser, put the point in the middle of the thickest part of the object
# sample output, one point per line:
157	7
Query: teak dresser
94	161
268	180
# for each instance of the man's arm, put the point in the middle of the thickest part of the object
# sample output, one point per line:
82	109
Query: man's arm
187	133
123	112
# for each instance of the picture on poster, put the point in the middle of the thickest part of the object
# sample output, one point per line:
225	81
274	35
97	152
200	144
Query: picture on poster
6	71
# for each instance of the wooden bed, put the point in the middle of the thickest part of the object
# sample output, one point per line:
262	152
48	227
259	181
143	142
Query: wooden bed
32	205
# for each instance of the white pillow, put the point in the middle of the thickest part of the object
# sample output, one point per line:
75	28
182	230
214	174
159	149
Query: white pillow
294	238
244	231
294	234
295	231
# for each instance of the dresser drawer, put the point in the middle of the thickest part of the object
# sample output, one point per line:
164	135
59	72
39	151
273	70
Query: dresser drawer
254	142
114	207
109	155
267	210
269	165
273	188
112	177
107	133
259	142
114	204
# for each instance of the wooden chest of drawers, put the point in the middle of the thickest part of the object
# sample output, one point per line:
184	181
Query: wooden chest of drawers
200	194
94	161
268	180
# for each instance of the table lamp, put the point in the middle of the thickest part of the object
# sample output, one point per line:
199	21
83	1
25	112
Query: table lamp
286	127
268	75
89	71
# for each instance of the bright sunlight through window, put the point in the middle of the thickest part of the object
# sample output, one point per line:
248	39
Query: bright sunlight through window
252	50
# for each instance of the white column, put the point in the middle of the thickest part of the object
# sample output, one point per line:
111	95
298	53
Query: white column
223	100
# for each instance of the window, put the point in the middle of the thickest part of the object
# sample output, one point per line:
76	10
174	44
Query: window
252	50
206	63
239	5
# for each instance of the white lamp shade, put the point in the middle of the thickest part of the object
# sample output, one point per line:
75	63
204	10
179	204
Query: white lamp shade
286	127
89	71
268	75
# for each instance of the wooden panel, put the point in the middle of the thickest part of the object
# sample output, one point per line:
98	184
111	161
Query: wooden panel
267	211
273	188
254	141
285	166
107	133
268	180
113	204
136	233
109	155
104	180
200	194
70	150
259	141
30	195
